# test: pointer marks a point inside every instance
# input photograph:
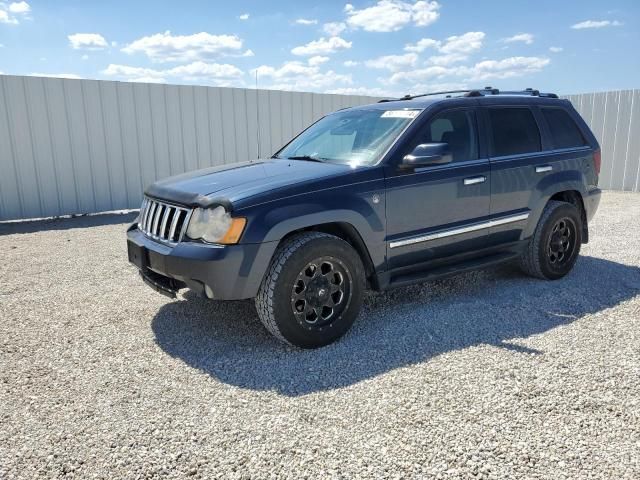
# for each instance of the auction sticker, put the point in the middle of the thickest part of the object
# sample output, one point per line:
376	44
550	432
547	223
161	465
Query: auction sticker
400	114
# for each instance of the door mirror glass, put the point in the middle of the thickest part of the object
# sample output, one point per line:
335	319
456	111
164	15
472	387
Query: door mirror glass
427	154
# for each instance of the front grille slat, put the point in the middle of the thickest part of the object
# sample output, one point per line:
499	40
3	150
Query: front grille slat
165	218
150	217
162	221
156	220
174	224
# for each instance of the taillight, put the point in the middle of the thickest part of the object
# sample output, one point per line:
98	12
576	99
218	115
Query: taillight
597	160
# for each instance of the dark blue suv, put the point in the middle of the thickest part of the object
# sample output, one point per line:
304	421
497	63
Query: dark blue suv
377	196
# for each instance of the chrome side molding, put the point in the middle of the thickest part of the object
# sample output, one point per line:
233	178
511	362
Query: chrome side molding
459	230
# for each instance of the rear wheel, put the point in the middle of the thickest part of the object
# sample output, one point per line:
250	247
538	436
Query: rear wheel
313	290
555	244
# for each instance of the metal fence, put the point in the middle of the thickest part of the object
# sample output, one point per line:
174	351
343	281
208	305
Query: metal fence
85	146
614	118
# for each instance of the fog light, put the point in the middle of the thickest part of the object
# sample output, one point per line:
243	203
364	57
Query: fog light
208	292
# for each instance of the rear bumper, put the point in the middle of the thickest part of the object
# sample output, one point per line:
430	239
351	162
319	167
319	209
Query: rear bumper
591	202
232	272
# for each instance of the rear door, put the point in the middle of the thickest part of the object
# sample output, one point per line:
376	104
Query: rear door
517	161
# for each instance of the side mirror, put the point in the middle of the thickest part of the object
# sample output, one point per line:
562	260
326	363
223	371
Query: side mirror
428	154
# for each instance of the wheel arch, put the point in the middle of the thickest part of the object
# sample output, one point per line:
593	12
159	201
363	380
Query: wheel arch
350	234
574	197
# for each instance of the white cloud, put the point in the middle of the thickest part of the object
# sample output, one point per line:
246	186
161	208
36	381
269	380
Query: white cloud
85	57
213	73
19	7
9	13
306	21
421	45
596	24
484	70
297	75
350	63
438	87
421	74
392	15
87	41
323	46
453	49
371	92
334	29
317	60
393	62
248	53
556	49
466	43
520	37
71	76
447	59
165	47
507	68
244	16
5	18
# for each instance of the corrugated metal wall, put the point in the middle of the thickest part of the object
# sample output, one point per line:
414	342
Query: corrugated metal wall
85	146
614	118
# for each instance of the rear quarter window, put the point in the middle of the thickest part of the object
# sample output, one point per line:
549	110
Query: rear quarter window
563	129
514	131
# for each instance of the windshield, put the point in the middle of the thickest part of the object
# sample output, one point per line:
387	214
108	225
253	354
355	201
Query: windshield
358	137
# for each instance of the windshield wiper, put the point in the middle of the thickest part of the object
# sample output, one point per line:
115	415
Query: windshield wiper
308	158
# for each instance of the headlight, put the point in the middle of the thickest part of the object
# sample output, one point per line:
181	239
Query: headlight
215	225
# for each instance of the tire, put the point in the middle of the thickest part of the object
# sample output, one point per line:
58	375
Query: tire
294	298
548	255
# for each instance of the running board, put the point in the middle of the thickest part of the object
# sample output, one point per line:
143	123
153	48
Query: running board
450	270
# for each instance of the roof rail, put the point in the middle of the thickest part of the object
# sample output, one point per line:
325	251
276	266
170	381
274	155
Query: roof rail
478	92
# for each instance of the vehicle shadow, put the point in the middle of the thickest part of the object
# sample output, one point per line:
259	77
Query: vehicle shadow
67	223
395	329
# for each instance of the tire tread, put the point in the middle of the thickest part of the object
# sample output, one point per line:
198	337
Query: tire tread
530	258
266	295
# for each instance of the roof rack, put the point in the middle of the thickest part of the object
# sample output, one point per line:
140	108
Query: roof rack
478	92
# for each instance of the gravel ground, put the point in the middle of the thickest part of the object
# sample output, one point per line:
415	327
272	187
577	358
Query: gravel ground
486	375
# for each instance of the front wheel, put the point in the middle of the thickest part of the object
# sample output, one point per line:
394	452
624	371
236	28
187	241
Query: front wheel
555	244
313	290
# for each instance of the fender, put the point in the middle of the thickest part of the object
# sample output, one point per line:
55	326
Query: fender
272	221
550	185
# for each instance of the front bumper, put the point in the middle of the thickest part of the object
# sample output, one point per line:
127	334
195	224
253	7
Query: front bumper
231	272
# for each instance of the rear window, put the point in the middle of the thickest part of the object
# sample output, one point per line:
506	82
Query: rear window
514	131
564	131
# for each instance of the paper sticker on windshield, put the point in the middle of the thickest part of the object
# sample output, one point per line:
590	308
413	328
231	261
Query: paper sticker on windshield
400	114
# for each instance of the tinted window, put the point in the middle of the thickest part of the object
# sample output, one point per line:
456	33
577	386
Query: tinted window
456	128
564	131
514	131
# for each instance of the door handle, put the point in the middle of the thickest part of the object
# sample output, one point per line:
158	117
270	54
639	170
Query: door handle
543	168
474	180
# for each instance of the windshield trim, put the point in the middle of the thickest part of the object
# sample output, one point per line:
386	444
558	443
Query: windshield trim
421	110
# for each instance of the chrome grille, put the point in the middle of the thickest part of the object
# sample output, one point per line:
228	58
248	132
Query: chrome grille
162	221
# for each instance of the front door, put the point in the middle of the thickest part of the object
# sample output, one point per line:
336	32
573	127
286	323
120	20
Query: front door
437	211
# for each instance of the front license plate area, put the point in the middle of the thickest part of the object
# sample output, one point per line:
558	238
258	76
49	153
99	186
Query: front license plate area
138	255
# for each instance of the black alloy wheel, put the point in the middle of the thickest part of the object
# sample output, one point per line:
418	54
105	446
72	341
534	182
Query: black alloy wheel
562	242
321	292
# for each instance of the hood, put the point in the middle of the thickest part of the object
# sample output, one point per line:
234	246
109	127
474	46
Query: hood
226	183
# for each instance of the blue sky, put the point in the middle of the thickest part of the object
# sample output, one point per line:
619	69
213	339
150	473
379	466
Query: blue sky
385	47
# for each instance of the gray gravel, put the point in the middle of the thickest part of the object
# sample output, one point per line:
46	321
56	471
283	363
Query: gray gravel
486	375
